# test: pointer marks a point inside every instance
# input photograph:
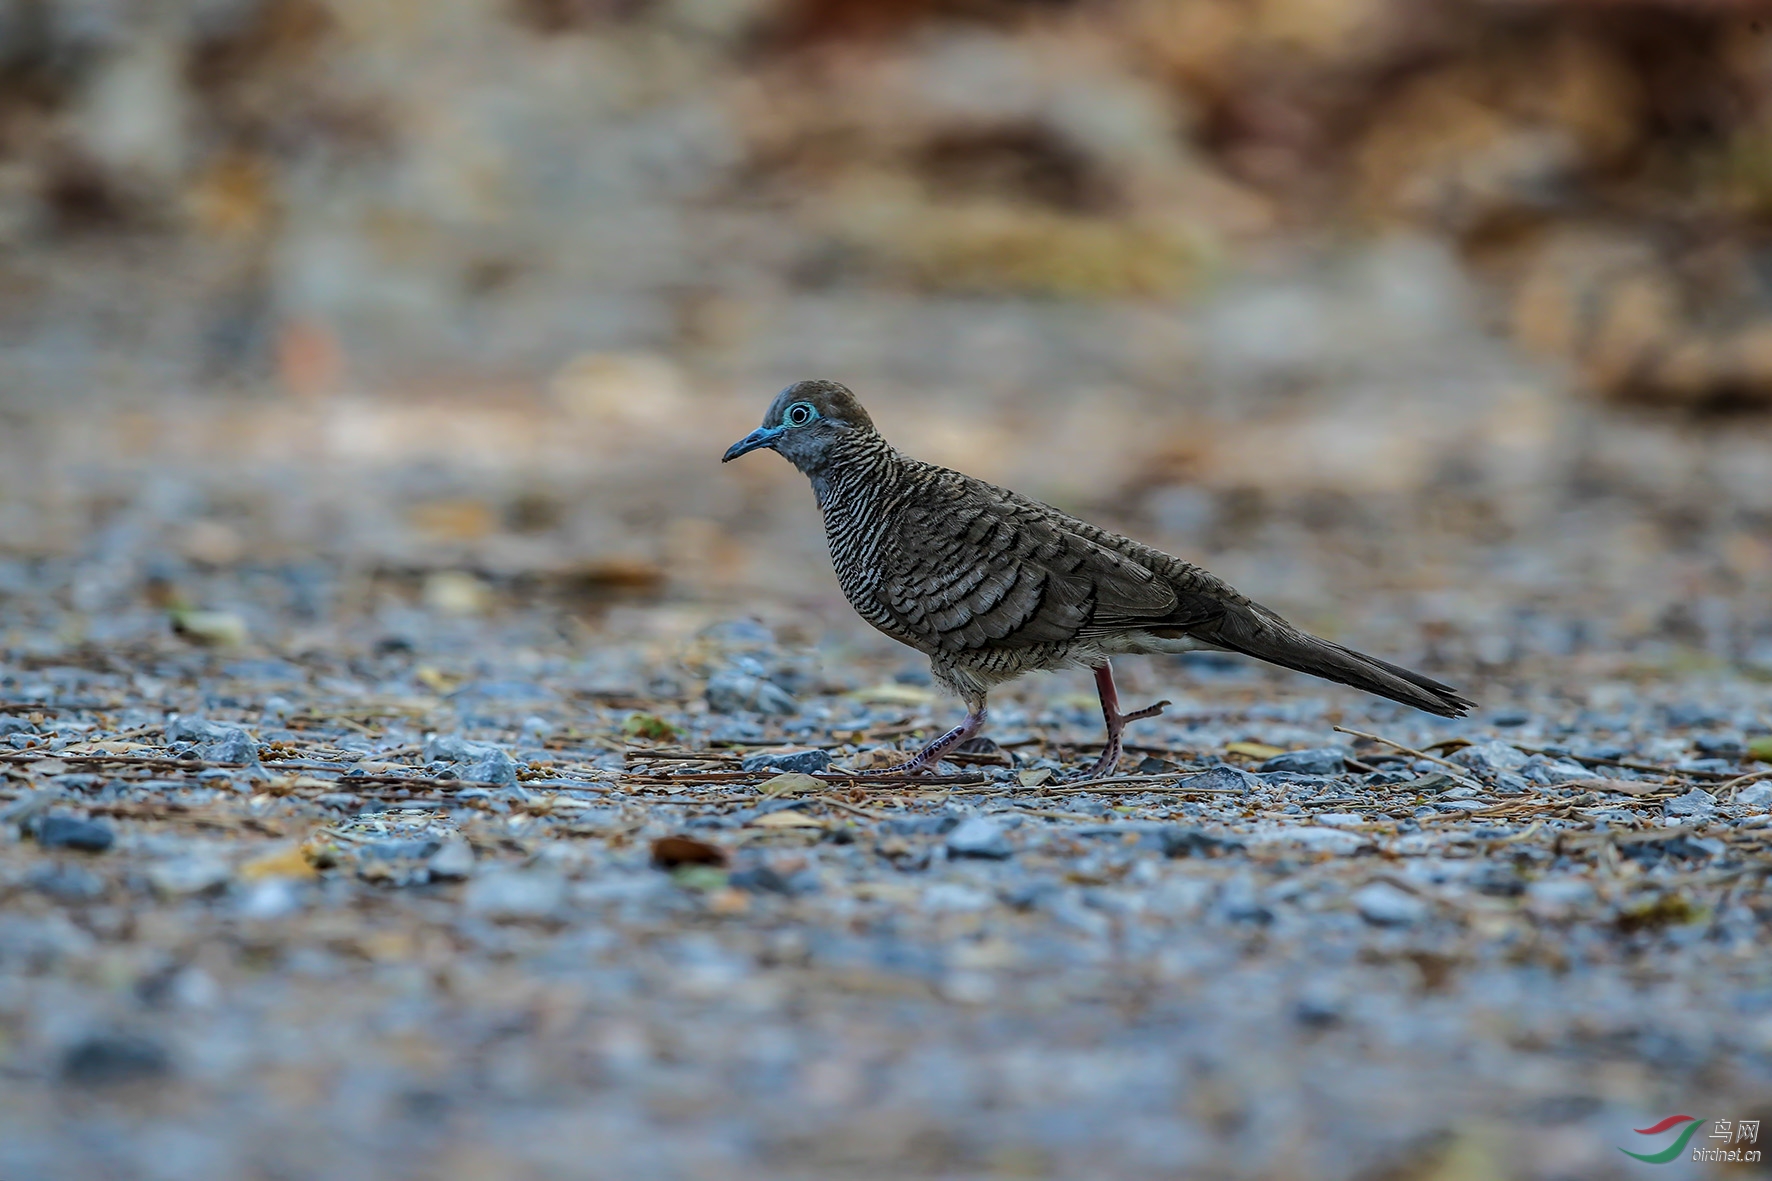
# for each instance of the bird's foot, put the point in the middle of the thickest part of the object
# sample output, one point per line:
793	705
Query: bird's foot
927	759
1149	711
1116	723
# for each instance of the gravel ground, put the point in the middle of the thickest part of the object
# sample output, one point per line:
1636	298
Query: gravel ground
366	872
341	917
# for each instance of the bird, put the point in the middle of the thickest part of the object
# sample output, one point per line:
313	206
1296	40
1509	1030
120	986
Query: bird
990	584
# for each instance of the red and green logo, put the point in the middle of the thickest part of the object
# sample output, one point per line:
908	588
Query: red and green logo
1692	1123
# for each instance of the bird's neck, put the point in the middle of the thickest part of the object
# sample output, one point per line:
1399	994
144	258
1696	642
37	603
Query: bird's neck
850	467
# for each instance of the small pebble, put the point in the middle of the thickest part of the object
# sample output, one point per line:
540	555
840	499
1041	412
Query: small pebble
68	832
1384	905
980	837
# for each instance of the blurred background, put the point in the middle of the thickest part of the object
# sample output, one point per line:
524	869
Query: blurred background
1444	325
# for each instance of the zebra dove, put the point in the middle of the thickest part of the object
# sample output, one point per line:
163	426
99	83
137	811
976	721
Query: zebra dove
991	585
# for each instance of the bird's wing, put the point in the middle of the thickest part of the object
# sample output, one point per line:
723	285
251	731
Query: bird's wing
971	566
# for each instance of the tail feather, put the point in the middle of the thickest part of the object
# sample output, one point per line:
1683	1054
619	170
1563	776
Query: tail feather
1257	632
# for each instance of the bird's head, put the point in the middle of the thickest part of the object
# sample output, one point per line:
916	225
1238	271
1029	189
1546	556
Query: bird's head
804	422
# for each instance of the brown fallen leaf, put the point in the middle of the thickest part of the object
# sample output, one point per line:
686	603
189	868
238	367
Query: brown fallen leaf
1253	750
671	852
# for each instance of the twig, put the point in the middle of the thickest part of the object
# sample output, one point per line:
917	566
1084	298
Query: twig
1741	781
742	777
846	807
1632	765
35	756
1408	750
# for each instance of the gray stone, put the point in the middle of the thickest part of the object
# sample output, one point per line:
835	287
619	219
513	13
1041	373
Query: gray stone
10	725
70	832
733	692
1322	760
1177	841
1696	802
1223	779
804	761
1385	905
476	762
515	894
1560	894
110	1058
955	896
980	836
66	883
1757	796
1550	772
188	875
492	766
1326	840
1490	758
1238	902
453	862
215	742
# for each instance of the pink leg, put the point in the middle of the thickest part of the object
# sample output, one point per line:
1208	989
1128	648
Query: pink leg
929	756
1116	721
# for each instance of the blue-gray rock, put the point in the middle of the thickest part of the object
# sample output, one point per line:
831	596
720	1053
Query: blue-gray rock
805	761
1696	802
10	725
515	894
921	825
477	762
71	832
979	836
1490	758
1322	760
1755	795
1384	905
761	879
1225	779
1177	841
215	742
1239	903
493	766
453	862
732	692
109	1058
66	883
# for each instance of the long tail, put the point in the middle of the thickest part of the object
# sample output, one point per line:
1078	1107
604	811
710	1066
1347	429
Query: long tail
1255	631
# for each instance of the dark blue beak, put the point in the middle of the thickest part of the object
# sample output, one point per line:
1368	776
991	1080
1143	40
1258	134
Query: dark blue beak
763	436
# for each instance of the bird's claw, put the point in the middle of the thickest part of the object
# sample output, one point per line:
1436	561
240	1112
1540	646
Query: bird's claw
1149	711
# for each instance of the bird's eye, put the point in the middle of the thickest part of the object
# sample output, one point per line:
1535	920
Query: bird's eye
800	413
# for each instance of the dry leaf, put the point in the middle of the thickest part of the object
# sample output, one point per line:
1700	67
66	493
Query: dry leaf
1253	750
671	852
290	861
787	818
728	901
1624	787
219	629
648	726
892	693
790	783
1036	777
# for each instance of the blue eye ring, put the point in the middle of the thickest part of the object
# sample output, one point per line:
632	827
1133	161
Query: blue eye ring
799	414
